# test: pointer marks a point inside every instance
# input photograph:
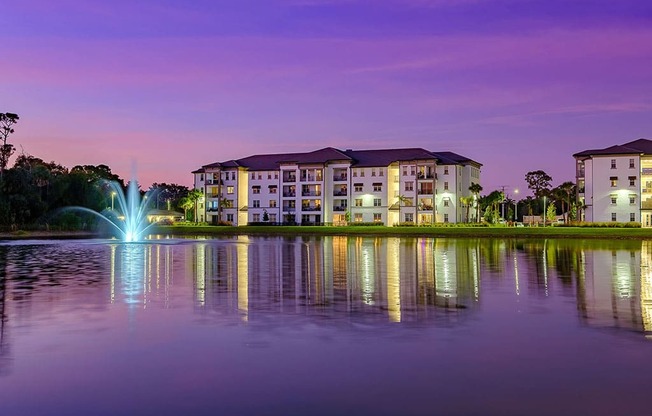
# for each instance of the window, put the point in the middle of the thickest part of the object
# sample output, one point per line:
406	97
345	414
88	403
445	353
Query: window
260	176
632	217
253	175
255	189
357	187
362	173
357	217
409	217
273	189
445	202
445	217
355	173
445	170
632	181
404	170
614	181
613	163
409	186
613	200
256	217
632	199
413	171
373	172
256	203
272	217
377	202
275	175
378	217
229	189
201	177
631	164
378	187
272	203
229	217
381	172
613	216
269	175
232	176
445	186
358	202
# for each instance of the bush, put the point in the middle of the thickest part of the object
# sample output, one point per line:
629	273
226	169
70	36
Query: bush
584	224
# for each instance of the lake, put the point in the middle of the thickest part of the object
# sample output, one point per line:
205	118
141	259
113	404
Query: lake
325	326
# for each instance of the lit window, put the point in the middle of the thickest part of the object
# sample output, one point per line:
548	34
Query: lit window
357	217
358	202
378	217
272	203
614	181
229	189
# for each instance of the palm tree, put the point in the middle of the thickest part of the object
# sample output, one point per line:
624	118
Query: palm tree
475	189
467	201
195	195
185	204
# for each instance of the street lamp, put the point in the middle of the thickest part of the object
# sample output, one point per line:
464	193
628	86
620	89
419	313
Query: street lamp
515	205
544	210
112	196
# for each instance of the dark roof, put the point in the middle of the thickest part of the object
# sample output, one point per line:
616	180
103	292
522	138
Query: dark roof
383	157
635	147
200	170
358	158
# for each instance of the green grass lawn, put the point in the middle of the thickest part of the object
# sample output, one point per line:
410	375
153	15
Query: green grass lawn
497	232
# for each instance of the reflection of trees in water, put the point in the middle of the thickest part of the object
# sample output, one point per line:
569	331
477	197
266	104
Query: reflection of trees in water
5	357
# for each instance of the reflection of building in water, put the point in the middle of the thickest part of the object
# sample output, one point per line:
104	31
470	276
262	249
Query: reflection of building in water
646	285
611	291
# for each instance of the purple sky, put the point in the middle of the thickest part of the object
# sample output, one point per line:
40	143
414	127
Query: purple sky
517	85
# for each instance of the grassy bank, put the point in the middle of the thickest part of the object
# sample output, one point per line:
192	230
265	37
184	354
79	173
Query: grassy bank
491	232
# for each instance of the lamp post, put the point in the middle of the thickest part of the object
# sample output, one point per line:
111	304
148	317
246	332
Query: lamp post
515	205
112	197
544	210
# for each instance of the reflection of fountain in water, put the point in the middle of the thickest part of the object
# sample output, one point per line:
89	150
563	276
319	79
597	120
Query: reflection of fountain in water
130	217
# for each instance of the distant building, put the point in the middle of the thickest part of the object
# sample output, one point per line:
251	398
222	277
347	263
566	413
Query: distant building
331	186
615	183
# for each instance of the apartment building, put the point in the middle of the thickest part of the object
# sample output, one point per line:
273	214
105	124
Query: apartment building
332	186
615	183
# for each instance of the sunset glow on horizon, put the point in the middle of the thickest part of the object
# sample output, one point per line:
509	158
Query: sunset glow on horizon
170	86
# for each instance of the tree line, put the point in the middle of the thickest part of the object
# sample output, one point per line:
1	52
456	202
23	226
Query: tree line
34	193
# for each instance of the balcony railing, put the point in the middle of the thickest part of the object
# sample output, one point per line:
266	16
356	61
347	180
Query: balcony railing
311	193
339	208
425	207
287	208
340	193
289	194
425	191
304	208
290	179
311	178
340	178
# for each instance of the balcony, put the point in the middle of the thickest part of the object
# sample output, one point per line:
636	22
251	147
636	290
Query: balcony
424	207
309	208
289	194
289	178
311	178
340	177
340	193
425	175
311	193
289	208
425	191
339	208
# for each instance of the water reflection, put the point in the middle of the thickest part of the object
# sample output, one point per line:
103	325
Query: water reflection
392	279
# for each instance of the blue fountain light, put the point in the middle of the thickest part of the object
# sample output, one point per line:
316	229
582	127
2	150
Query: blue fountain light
128	213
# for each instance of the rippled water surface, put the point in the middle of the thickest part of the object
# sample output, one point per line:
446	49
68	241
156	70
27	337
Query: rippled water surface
325	326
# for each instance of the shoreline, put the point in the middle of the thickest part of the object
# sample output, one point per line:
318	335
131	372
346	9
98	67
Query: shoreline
365	231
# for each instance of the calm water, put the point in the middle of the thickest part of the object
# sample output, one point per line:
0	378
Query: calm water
325	326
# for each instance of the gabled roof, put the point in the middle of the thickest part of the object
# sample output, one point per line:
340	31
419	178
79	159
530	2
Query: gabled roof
636	147
384	157
450	158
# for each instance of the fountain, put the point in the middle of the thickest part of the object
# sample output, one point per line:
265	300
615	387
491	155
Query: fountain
130	217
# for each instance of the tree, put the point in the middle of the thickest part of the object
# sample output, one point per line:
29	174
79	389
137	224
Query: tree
475	189
551	213
538	182
195	195
565	192
6	149
185	204
171	193
467	201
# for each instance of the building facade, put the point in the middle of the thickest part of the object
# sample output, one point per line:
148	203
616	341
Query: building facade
614	184
338	187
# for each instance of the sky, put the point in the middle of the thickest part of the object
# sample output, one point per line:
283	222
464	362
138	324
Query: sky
170	85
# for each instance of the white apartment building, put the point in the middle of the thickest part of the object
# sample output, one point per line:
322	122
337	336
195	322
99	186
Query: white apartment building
331	186
615	183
